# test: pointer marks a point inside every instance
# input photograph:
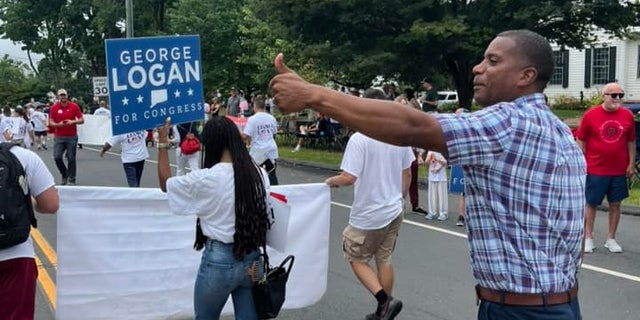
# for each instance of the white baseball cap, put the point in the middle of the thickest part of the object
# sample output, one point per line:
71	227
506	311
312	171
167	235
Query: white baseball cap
62	91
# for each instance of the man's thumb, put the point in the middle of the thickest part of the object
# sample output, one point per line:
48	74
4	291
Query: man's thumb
279	64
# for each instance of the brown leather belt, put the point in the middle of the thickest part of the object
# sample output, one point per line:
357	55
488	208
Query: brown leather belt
526	299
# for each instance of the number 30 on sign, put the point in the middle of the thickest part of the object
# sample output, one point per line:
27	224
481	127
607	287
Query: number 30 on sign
100	87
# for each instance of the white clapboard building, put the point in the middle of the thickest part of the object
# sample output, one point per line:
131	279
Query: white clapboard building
586	71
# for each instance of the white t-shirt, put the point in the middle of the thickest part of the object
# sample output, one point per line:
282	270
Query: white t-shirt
261	127
102	111
209	194
437	170
134	146
39	120
5	125
207	109
19	127
378	168
39	179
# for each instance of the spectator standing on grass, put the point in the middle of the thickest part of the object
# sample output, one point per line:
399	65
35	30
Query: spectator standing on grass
525	235
606	135
381	173
430	100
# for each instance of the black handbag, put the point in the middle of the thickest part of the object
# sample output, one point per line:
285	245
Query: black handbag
269	292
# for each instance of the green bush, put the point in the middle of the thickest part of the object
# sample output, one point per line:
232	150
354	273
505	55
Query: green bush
566	102
594	100
448	107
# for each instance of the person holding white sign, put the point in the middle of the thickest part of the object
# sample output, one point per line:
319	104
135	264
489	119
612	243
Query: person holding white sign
381	174
229	197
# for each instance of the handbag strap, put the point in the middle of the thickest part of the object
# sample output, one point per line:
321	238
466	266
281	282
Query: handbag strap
290	258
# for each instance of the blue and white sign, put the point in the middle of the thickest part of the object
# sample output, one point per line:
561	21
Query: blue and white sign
456	180
153	78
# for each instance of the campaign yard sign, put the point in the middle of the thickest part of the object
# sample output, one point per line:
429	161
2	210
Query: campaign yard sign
153	78
456	180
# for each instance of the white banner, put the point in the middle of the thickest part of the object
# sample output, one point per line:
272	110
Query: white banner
123	255
95	130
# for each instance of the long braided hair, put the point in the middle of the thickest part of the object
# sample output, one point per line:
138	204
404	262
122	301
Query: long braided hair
221	134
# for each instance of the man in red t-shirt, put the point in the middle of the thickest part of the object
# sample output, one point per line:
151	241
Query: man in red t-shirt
607	137
64	116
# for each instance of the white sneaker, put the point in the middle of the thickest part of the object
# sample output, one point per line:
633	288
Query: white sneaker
443	216
588	245
430	216
613	246
296	149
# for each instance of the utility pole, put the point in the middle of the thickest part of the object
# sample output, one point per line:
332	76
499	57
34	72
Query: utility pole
129	18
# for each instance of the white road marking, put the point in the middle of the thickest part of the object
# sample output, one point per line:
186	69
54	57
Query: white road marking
462	235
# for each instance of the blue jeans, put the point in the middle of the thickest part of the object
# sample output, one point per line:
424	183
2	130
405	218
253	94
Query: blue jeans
497	311
133	171
69	145
219	275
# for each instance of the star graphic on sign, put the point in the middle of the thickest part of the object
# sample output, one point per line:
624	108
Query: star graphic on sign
125	101
190	92
139	98
176	93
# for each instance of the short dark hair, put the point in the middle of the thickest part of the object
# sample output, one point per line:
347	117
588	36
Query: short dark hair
426	80
373	93
536	50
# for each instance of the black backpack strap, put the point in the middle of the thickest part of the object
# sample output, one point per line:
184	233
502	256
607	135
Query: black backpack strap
5	148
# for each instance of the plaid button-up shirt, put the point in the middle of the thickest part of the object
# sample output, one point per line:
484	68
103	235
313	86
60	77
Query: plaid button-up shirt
524	193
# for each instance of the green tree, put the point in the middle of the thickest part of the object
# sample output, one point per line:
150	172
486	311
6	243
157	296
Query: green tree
357	40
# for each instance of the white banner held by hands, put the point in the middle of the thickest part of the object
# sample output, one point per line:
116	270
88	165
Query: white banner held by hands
133	259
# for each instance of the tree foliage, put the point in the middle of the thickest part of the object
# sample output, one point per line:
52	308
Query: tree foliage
349	42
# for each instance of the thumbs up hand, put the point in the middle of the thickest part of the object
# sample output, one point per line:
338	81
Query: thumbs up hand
290	92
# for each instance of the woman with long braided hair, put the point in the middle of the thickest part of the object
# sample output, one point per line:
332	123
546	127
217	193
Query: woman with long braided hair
229	197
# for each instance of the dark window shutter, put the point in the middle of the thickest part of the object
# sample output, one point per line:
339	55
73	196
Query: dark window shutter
587	68
612	64
565	68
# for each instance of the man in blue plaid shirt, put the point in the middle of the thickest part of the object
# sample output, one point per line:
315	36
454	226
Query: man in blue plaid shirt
524	173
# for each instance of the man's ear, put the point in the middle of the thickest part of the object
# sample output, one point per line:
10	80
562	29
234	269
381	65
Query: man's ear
528	76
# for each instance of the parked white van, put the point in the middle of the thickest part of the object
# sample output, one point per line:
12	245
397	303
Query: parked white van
445	97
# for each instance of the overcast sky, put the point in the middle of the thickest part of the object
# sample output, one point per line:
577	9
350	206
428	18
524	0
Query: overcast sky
15	53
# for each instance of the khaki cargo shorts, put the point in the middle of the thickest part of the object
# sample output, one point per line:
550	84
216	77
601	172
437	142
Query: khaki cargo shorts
362	245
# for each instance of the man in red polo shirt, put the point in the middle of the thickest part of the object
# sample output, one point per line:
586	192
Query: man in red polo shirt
64	117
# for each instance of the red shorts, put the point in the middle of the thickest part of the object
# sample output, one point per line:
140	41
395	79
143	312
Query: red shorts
18	288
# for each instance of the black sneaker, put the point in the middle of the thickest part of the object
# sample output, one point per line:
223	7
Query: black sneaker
460	222
389	310
419	210
63	182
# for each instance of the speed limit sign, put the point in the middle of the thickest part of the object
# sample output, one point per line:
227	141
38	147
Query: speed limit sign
100	87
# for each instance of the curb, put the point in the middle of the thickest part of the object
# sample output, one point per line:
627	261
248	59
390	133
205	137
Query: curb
624	209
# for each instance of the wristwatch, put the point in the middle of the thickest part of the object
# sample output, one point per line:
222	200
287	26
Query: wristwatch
160	145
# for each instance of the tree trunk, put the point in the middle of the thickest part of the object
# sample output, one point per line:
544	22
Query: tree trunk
463	81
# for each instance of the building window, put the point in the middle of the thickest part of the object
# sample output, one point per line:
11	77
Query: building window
600	66
558	69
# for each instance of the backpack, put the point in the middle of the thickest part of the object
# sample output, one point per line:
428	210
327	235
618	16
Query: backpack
16	209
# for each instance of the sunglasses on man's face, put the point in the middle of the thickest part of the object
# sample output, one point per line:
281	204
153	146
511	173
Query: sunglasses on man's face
615	95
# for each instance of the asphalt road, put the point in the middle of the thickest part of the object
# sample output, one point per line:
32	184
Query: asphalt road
433	277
